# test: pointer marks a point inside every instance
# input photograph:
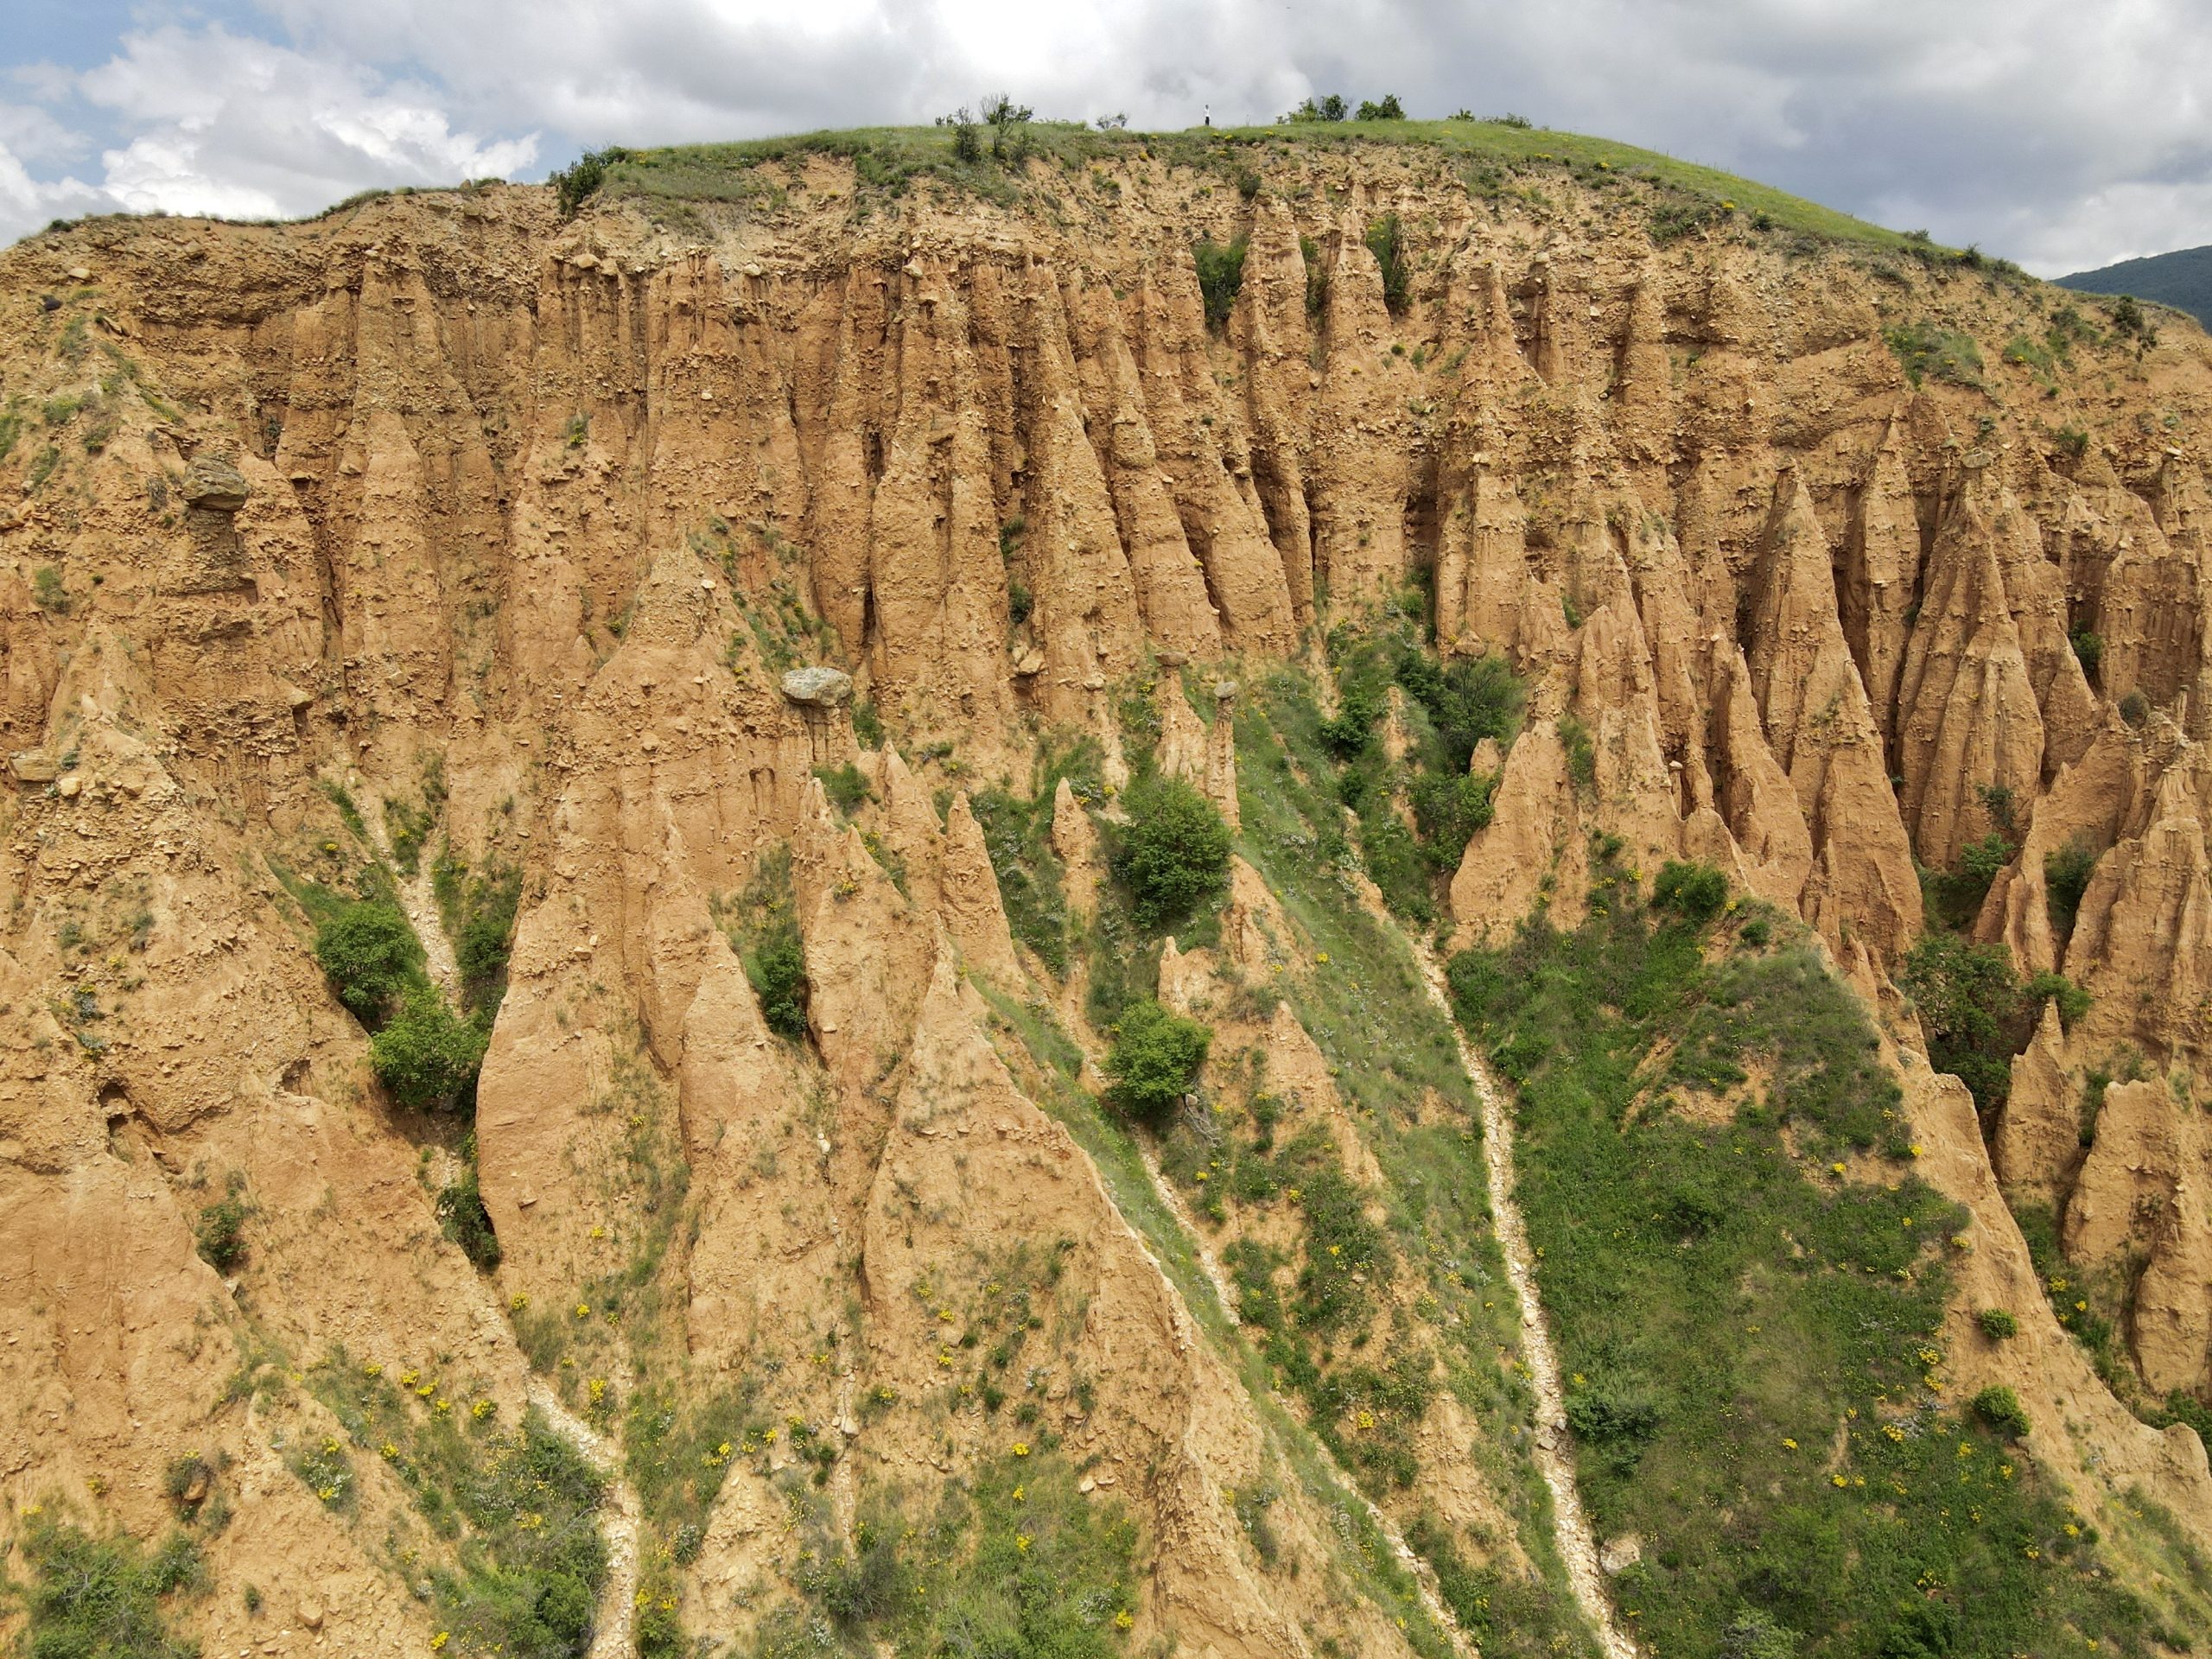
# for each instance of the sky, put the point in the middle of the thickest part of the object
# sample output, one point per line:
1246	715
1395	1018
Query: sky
2065	134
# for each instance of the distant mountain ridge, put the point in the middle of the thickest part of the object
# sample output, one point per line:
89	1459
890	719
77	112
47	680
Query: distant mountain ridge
2182	279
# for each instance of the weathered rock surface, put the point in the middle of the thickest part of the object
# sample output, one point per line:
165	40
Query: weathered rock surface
528	529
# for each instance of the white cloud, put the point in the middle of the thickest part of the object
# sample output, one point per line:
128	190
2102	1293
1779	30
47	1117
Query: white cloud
216	122
2056	133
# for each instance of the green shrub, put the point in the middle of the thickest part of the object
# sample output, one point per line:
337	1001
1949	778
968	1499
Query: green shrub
1330	108
2066	872
2135	709
1466	700
845	786
1969	1005
2089	650
487	937
427	1056
1581	754
1386	241
1997	1324
1221	273
577	183
369	954
463	1218
776	965
1696	892
1387	108
1154	1058
1923	349
47	591
1172	856
2000	1407
221	1236
1450	810
101	1597
2047	987
762	927
185	1475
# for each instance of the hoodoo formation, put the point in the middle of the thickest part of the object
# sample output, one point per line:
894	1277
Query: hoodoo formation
727	902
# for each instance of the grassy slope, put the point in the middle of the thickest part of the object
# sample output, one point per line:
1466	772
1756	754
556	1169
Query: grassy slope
1493	152
1748	1298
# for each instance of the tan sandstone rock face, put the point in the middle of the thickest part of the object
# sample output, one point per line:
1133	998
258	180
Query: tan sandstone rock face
596	552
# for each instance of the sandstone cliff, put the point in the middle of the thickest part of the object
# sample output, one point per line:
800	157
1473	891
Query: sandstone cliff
296	518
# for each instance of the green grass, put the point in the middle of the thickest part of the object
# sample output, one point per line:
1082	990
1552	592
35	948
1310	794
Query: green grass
1014	1561
1029	1033
514	1510
1018	836
92	1598
1395	1062
1750	1335
1491	157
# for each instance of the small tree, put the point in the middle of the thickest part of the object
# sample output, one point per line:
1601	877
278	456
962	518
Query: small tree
221	1236
427	1054
1173	856
1156	1056
370	954
1389	109
1330	108
1221	273
967	138
1009	124
776	968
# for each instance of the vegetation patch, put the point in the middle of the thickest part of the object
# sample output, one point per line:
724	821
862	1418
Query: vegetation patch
1015	1561
1155	1058
1018	835
513	1510
762	926
1750	1333
1172	856
1927	352
92	1598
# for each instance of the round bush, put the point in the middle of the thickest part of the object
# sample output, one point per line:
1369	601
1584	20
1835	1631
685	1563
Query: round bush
1156	1053
1173	856
1696	892
369	953
427	1054
2001	1409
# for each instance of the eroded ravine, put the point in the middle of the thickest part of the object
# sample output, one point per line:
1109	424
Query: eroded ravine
1577	1541
621	1516
621	1520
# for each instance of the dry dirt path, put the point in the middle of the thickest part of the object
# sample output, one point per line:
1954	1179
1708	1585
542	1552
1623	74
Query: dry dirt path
1578	1543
